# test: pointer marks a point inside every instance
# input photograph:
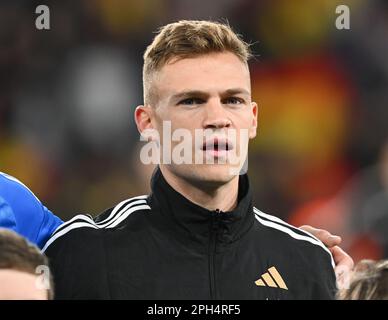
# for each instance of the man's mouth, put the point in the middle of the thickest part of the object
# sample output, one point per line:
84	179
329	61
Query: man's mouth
217	147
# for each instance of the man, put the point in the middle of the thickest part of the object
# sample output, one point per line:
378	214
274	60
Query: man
197	235
31	219
21	211
23	269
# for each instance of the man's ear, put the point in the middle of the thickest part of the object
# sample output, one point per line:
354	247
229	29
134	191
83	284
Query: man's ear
143	116
253	129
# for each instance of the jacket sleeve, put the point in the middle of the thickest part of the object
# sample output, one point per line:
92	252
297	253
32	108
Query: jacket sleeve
77	263
7	217
26	214
323	277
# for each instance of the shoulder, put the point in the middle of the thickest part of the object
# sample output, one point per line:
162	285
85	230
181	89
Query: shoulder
83	227
301	254
7	217
11	187
287	235
32	219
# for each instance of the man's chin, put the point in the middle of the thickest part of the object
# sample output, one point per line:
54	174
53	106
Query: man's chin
209	174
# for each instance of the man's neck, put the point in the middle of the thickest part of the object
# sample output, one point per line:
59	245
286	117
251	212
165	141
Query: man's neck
222	197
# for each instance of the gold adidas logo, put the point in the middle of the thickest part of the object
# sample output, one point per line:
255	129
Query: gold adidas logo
272	279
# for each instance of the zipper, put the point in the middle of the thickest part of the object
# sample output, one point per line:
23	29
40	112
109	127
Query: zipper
212	253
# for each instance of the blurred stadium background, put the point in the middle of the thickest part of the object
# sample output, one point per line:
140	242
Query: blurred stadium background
67	98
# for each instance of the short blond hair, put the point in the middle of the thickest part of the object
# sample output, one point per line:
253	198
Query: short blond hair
187	39
369	282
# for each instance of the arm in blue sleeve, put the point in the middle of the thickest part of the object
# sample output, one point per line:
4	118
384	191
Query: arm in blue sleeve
31	218
7	217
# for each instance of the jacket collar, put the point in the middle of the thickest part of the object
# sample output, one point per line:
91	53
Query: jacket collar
200	223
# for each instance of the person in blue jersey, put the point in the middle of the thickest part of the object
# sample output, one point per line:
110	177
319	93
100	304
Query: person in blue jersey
21	211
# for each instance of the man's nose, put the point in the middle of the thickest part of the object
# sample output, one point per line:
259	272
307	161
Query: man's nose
216	116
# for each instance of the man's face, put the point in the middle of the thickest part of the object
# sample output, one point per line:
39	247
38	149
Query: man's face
209	92
17	285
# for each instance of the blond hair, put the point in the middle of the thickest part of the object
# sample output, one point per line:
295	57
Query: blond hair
187	39
369	282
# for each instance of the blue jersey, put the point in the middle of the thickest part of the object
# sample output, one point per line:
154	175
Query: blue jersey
21	211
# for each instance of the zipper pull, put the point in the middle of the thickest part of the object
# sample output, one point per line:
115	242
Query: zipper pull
216	214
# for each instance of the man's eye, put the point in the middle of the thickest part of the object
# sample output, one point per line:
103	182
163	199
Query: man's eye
233	100
191	101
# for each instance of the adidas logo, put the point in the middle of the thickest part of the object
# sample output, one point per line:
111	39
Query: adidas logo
272	279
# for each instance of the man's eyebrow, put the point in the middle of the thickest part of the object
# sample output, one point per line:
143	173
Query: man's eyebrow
189	93
199	93
237	91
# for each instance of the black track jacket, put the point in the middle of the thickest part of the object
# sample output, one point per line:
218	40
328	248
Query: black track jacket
163	246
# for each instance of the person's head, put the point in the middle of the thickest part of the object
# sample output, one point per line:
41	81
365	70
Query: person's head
369	282
196	76
21	267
